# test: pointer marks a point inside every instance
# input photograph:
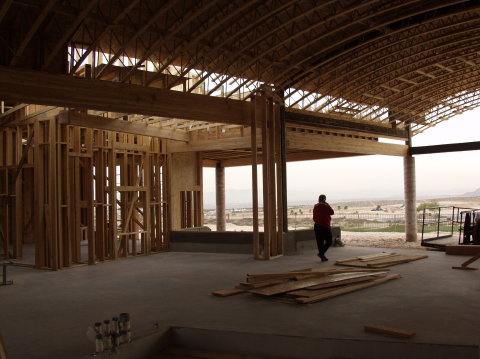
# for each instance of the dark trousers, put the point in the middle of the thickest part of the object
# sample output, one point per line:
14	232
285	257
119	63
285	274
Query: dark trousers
323	235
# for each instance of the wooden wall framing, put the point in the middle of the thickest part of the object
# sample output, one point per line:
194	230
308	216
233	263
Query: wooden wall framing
81	195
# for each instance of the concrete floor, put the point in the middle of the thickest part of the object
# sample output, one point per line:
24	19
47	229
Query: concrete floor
46	314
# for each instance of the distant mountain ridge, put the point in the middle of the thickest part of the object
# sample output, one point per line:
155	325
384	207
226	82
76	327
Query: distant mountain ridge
240	199
473	194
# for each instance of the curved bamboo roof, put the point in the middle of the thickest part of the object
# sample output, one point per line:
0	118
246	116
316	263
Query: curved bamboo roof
384	61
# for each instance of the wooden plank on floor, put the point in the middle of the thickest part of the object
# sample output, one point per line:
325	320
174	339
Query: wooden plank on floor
389	331
290	286
382	262
331	285
228	292
348	280
295	275
348	289
373	257
287	286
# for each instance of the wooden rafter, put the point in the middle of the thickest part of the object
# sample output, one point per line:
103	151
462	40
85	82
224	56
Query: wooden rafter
373	54
69	32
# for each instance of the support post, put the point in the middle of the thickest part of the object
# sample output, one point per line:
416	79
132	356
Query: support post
220	196
283	156
410	195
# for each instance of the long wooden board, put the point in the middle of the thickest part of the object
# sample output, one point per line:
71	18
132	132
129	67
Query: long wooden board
381	262
288	286
346	290
389	331
343	277
327	287
228	292
300	284
294	275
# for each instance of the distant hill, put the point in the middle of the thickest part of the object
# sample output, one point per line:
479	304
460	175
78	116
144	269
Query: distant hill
473	194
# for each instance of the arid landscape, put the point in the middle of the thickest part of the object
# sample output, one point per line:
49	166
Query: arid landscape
378	223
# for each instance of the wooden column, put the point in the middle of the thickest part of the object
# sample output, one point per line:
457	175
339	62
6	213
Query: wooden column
267	116
256	115
220	197
410	197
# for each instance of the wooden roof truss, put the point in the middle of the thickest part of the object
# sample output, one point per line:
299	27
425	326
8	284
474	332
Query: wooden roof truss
387	62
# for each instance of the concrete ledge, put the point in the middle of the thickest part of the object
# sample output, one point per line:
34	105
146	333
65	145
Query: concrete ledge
239	242
284	346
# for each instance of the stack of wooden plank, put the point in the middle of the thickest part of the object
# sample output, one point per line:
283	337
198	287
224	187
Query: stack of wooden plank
380	260
308	286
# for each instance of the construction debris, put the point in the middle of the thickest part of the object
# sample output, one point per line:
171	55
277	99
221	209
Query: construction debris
380	260
389	331
308	286
465	264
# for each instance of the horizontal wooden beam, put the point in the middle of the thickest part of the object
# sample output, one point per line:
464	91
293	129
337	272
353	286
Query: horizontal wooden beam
35	87
316	119
211	145
452	147
291	157
26	86
317	142
111	124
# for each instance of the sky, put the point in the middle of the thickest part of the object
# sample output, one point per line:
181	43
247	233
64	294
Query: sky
375	177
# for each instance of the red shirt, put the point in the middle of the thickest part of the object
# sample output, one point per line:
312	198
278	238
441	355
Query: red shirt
322	213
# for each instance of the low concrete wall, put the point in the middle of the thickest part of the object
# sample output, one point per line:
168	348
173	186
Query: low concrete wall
239	242
211	242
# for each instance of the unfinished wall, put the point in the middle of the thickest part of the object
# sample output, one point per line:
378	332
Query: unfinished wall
81	195
186	197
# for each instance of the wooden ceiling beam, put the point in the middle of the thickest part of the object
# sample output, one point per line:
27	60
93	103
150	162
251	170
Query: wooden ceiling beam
4	8
322	120
107	28
451	147
111	124
153	19
33	29
69	32
290	156
316	142
285	77
66	91
212	145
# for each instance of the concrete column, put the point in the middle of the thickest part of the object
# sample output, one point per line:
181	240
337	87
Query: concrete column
220	196
410	198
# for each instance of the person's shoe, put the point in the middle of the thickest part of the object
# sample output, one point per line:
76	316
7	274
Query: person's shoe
323	258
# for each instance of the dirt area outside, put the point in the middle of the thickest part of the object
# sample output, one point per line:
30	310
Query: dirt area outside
363	223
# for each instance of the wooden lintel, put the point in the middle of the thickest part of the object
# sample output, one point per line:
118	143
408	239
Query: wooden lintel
212	145
111	124
291	157
26	86
310	118
317	142
452	147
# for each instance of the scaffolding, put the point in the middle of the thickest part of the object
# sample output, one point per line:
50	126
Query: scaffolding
441	222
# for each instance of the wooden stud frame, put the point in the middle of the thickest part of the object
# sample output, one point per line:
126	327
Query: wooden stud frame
81	195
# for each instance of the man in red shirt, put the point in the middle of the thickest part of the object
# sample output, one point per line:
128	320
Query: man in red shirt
322	213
